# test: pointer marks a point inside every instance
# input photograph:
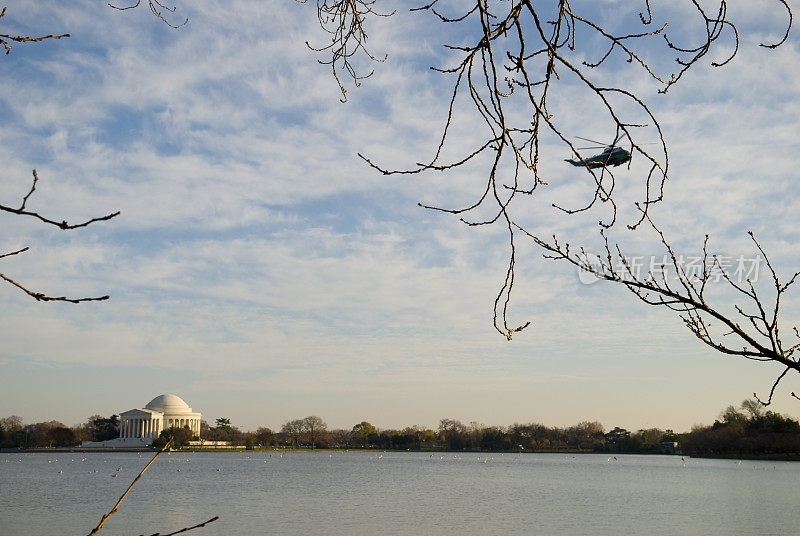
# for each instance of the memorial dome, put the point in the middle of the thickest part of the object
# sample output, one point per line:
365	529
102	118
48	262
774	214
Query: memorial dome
168	403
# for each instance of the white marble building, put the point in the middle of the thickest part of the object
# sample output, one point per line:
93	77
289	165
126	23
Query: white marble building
139	427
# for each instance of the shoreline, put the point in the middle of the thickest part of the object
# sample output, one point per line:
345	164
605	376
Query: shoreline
751	457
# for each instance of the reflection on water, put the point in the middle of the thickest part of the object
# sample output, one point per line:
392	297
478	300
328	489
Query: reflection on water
360	493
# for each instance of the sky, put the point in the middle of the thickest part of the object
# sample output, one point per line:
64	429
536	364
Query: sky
263	272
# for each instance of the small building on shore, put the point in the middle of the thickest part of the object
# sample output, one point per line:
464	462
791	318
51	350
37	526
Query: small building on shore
138	427
669	447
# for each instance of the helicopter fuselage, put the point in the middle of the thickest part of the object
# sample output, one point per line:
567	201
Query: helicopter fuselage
612	156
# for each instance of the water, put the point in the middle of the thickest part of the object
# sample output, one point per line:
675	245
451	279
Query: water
360	493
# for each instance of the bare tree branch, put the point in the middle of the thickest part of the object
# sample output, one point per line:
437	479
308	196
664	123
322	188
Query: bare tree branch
344	21
187	529
751	331
14	252
788	27
5	38
38	296
23	211
520	50
125	494
135	480
157	8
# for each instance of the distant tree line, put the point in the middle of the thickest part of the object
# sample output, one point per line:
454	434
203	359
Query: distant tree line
50	434
454	435
312	432
745	431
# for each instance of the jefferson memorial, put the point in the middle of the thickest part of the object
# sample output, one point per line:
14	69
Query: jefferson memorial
139	427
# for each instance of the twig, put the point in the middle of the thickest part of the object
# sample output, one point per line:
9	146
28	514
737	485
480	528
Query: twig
344	21
135	480
14	252
5	38
754	329
22	211
154	8
203	524
38	296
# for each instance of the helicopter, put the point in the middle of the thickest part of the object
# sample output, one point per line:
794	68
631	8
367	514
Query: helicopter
611	156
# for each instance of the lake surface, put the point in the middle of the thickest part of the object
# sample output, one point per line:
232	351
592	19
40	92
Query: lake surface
361	493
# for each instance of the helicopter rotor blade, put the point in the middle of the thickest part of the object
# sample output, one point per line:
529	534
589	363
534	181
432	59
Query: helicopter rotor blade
593	141
592	147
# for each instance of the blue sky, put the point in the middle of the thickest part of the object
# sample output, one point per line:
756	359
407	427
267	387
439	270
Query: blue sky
263	272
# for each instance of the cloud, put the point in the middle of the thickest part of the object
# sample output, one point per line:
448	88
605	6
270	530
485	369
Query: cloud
256	250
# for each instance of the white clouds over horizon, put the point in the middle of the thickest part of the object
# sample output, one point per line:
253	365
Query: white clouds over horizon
259	256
